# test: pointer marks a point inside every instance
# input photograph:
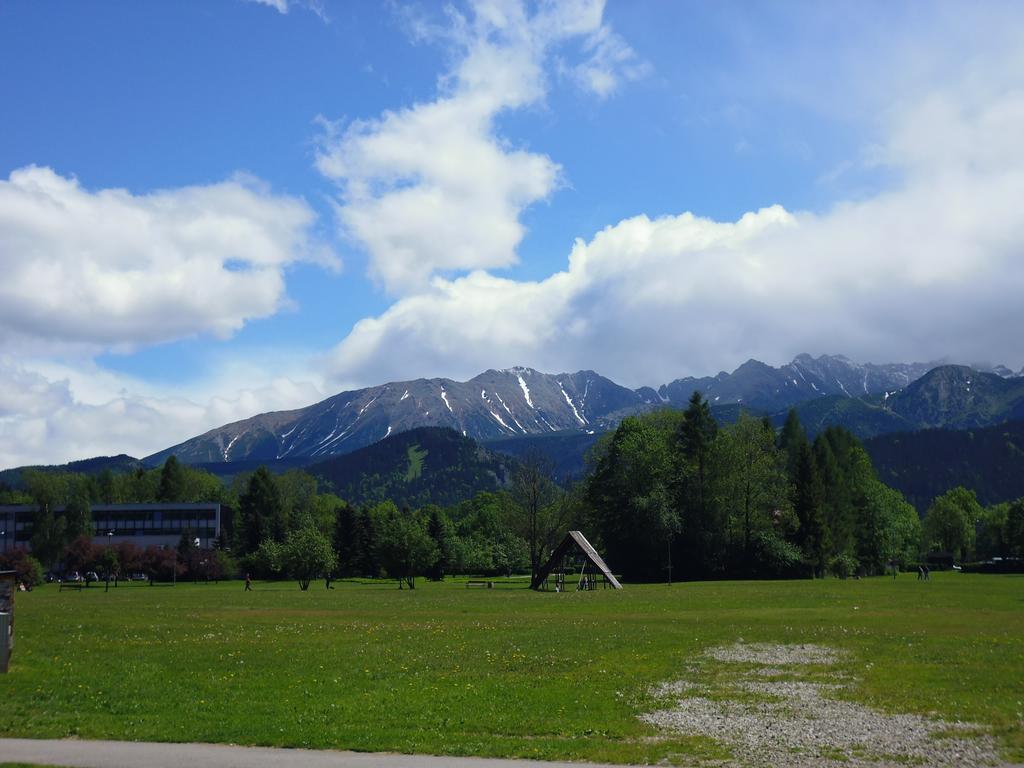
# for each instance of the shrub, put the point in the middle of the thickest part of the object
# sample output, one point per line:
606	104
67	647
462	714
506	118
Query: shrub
26	568
843	566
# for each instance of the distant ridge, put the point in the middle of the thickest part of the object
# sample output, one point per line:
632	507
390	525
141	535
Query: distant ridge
94	466
510	402
521	402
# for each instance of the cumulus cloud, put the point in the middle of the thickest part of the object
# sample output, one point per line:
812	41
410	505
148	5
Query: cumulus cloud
928	268
433	188
109	268
52	413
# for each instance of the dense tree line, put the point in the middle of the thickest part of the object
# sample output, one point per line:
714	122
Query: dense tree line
673	492
670	494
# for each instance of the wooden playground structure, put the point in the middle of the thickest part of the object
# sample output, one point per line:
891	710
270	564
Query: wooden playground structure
575	565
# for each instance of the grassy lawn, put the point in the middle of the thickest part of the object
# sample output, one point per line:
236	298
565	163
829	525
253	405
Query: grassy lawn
504	672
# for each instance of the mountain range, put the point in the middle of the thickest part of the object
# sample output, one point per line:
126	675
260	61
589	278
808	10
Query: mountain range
441	441
501	405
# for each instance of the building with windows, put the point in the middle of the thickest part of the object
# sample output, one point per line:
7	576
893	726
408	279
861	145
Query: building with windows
141	524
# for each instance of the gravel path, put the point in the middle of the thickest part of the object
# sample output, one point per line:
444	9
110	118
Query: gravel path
789	722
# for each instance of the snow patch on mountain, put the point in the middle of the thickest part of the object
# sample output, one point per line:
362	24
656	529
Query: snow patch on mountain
509	411
571	404
526	389
233	441
500	421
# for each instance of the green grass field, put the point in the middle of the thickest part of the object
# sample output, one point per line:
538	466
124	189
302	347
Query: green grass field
503	672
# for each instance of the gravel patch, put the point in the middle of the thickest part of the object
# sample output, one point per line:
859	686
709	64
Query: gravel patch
778	655
794	723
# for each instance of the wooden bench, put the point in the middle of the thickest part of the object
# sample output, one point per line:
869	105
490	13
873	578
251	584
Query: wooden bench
71	585
477	583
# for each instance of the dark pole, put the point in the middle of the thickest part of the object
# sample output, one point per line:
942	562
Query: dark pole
110	534
670	559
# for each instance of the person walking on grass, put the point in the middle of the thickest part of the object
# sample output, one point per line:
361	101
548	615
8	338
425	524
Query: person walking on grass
248	583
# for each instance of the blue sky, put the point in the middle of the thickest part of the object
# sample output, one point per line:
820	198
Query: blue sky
210	209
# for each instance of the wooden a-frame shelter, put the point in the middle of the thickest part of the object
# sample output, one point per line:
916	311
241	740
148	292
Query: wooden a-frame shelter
575	559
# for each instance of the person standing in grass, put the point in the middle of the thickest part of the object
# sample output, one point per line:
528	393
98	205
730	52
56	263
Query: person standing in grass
248	583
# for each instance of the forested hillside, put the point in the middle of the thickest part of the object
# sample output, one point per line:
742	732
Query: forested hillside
429	465
923	465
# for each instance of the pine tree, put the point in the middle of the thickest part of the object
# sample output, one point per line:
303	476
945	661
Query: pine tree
791	439
261	511
172	481
838	506
438	530
808	501
703	534
347	541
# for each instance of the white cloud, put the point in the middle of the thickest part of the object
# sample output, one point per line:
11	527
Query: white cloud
433	188
611	61
281	6
108	268
52	413
931	267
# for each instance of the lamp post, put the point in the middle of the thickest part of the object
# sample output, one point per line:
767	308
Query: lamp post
110	535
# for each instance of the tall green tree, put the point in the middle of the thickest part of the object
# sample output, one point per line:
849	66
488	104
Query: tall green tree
838	505
404	547
106	487
791	438
703	529
307	553
172	481
49	535
439	528
808	504
1014	533
348	540
751	485
78	515
631	496
298	492
48	489
888	529
541	519
261	512
949	524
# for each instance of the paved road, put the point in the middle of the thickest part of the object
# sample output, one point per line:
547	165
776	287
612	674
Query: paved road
132	754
